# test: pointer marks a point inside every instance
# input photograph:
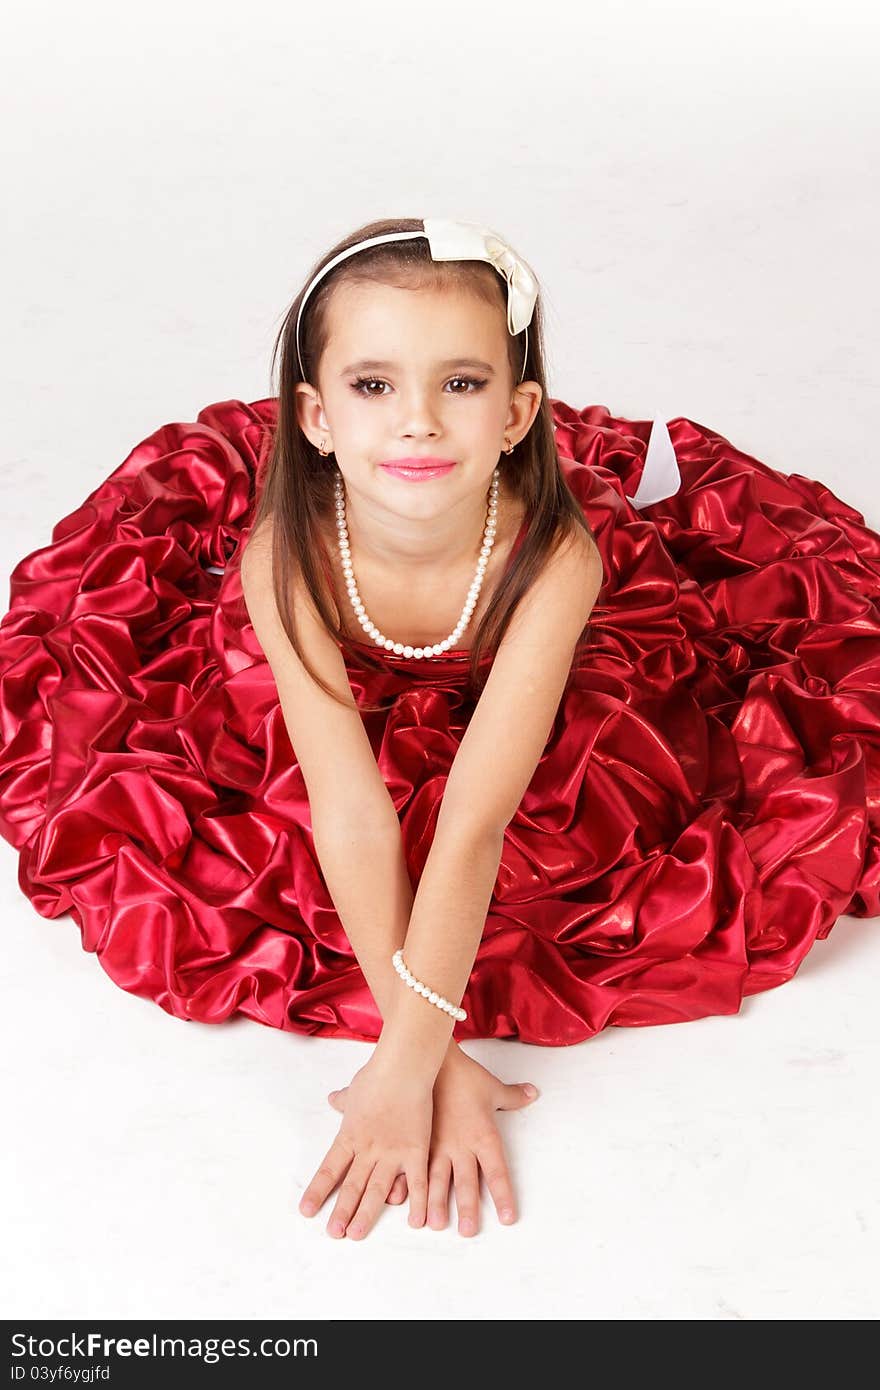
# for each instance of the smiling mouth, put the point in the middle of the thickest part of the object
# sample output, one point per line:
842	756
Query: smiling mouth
412	464
421	471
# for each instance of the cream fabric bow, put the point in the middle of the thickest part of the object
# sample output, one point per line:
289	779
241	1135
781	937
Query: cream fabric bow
450	240
467	241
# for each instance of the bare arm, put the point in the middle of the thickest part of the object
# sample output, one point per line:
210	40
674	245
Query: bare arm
493	767
355	826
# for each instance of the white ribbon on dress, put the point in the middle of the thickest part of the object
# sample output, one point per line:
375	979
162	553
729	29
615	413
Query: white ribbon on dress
660	476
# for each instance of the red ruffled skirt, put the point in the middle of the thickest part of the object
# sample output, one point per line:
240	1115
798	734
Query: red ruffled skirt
707	805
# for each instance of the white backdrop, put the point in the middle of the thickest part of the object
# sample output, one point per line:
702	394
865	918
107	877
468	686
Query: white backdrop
695	186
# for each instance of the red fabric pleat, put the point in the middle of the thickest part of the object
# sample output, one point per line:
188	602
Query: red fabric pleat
706	807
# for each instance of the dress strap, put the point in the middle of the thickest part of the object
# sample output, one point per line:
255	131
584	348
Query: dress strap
520	536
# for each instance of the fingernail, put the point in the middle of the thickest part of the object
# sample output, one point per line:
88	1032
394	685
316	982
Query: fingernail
530	1090
308	1208
337	1228
355	1231
466	1226
507	1214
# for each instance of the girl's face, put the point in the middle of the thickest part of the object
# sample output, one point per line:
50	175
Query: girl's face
415	373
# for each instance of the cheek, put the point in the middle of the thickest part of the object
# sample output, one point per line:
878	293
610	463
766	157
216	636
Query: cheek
488	422
355	428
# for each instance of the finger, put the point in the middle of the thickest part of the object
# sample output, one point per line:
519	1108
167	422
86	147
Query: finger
373	1200
333	1165
467	1192
350	1194
398	1190
417	1182
490	1156
337	1099
514	1096
439	1175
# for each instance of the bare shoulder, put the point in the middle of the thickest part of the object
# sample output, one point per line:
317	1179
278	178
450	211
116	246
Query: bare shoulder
517	707
558	603
258	587
578	551
581	562
256	558
257	566
345	788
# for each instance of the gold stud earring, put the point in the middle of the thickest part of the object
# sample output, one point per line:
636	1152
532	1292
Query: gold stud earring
321	450
508	447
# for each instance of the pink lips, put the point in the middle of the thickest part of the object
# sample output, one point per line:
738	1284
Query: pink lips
418	469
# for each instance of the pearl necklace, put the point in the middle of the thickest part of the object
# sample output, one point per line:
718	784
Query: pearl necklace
473	592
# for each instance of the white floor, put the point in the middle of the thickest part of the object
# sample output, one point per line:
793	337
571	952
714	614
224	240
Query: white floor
690	185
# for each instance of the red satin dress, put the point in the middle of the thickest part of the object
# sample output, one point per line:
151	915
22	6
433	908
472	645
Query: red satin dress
705	808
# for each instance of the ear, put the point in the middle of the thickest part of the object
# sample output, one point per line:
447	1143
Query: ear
310	414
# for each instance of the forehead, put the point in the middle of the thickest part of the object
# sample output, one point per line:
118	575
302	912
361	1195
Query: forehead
384	321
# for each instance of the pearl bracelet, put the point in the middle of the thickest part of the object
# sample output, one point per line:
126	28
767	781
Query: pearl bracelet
425	990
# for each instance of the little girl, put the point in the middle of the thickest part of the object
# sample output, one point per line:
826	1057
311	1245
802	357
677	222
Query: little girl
398	773
406	365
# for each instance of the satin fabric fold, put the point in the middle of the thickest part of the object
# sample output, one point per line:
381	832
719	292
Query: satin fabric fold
706	807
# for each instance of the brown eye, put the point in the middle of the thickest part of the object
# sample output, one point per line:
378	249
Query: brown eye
361	383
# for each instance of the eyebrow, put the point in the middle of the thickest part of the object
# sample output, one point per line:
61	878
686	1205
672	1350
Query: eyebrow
372	365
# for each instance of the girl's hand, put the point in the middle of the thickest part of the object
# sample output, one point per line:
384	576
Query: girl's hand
386	1129
464	1135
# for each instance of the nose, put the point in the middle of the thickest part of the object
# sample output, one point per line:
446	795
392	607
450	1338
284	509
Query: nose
417	416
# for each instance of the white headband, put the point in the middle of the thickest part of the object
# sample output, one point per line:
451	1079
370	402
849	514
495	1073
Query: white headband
457	241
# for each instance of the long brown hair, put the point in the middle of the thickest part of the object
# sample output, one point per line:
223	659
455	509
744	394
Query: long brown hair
297	483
